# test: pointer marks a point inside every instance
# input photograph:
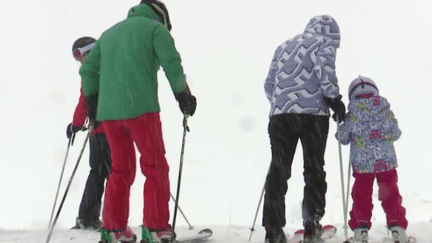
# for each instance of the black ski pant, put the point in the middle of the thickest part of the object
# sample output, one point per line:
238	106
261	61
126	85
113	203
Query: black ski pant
285	130
100	165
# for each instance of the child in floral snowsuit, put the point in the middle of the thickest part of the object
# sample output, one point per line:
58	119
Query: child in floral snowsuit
371	128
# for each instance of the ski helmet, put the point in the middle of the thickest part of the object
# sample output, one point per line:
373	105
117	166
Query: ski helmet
160	10
362	85
82	46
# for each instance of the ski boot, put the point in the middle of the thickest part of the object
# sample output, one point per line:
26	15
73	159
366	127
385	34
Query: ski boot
146	235
399	234
97	225
80	224
313	232
118	236
157	236
361	235
275	235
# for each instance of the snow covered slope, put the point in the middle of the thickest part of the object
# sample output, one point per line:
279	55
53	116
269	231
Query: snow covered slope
221	234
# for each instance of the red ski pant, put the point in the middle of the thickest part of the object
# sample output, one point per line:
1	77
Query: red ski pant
388	194
146	132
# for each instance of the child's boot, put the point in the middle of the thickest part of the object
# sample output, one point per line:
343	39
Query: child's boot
361	235
399	234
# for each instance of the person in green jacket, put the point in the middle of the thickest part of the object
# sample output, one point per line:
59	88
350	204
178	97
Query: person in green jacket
119	80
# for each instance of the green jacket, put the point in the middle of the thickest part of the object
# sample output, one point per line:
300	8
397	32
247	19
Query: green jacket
122	66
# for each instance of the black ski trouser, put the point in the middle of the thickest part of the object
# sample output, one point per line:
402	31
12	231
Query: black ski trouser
100	165
285	130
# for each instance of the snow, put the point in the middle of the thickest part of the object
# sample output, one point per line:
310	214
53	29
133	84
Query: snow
226	48
226	234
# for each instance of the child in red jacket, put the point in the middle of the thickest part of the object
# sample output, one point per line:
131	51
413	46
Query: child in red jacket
100	155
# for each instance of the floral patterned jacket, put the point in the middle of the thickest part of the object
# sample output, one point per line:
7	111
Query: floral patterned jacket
371	128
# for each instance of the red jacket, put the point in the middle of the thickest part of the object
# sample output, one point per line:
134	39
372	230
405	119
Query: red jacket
80	114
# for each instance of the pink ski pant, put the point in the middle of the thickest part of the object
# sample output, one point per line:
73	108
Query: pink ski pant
388	194
146	132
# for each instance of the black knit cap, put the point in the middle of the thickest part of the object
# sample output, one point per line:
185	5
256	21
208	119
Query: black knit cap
160	10
83	41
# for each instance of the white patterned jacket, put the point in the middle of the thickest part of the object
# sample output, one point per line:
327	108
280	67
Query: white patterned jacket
371	128
303	70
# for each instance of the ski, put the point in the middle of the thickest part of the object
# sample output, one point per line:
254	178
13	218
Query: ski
411	239
328	232
200	236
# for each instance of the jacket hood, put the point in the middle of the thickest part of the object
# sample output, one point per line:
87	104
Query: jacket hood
143	10
326	26
369	109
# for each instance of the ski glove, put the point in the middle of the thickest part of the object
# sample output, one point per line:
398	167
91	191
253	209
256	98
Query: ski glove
92	104
71	129
337	106
187	101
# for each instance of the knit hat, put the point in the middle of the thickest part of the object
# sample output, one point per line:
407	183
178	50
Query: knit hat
160	10
362	85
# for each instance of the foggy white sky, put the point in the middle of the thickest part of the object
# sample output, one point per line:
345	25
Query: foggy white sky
226	47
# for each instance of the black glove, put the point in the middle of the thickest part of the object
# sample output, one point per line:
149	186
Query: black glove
337	106
92	104
187	101
70	130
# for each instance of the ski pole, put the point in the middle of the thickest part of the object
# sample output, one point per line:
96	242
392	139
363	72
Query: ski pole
67	188
344	204
348	187
256	214
59	184
185	129
259	204
181	211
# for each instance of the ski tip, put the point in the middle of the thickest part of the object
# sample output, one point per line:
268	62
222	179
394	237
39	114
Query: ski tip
329	226
412	239
299	232
206	231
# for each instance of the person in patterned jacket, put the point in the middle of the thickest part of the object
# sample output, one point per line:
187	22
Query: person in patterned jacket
100	155
371	128
301	86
